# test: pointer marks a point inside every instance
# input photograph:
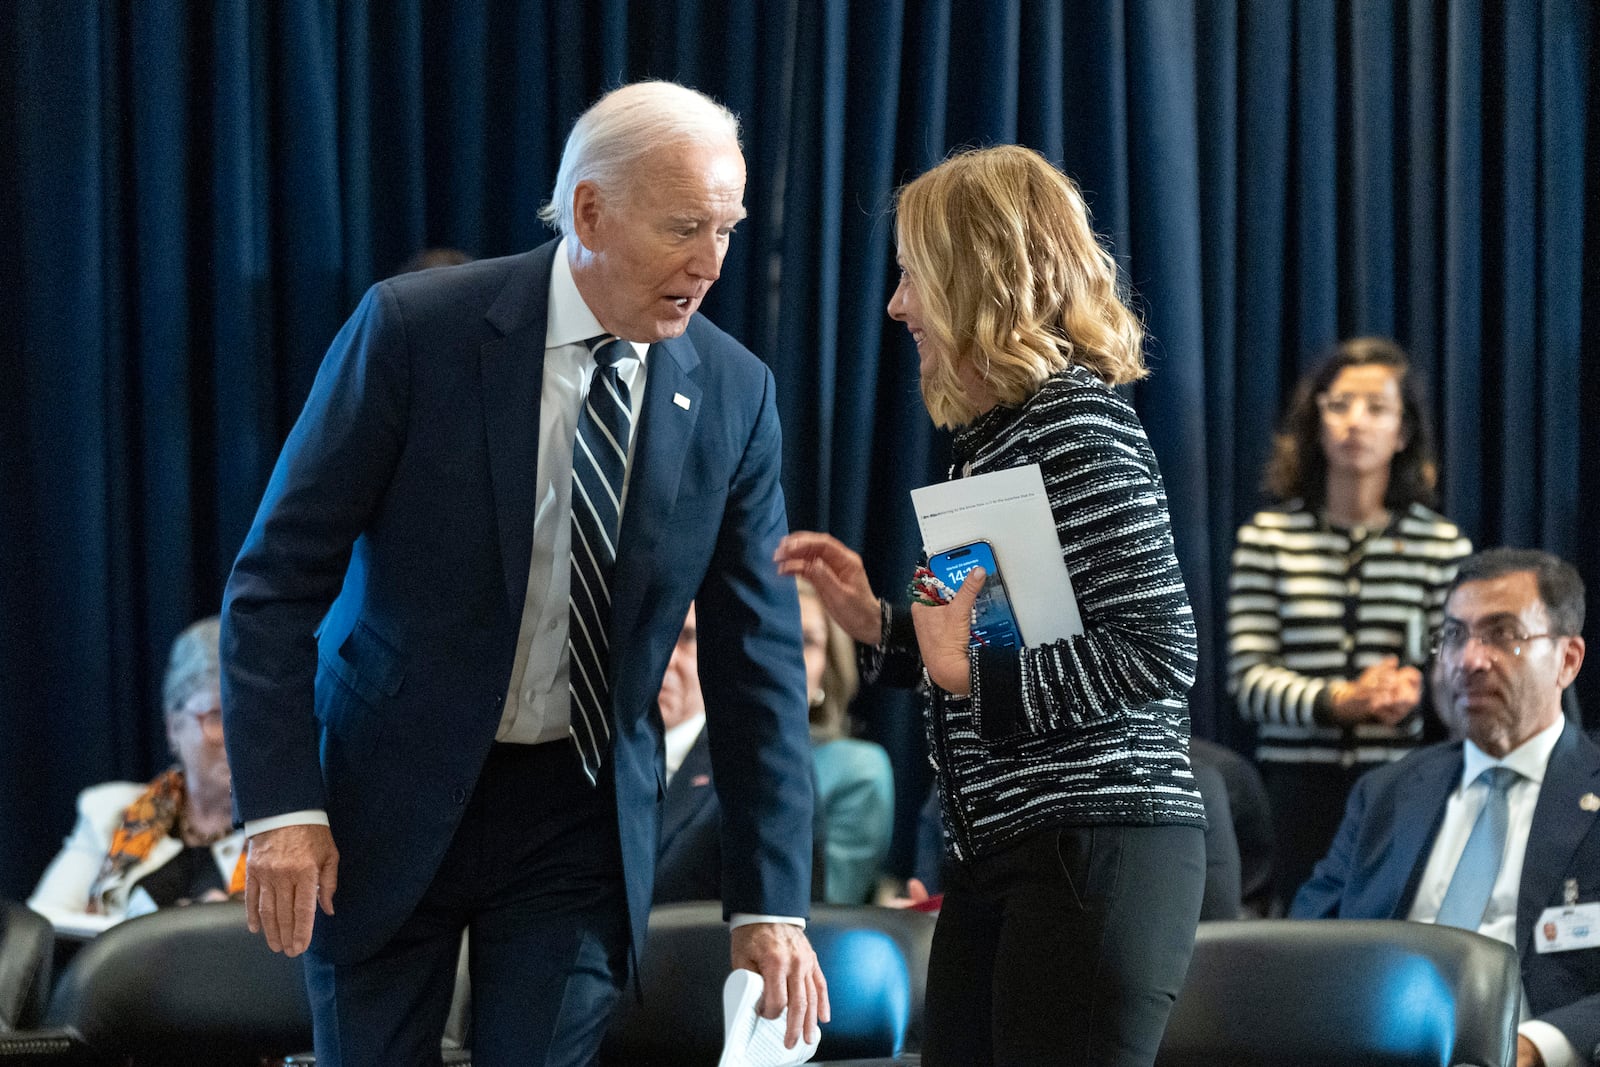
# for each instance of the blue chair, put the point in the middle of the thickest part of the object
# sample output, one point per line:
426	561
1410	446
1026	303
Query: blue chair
875	960
1327	992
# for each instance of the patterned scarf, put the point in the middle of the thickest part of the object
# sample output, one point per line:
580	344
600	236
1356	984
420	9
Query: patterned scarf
150	818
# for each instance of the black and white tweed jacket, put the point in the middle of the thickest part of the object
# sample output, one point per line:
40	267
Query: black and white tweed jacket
1093	729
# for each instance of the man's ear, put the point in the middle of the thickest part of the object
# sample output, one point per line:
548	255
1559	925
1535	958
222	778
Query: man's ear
588	210
1571	660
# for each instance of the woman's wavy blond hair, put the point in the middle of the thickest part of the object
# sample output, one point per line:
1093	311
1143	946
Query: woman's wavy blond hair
1013	283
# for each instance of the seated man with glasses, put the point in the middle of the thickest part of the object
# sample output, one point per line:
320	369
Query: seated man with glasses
1498	832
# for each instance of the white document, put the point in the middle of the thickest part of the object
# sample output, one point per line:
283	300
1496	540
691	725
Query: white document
748	1039
1010	510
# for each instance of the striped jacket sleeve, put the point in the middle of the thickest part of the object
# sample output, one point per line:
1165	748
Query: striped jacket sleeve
1264	689
1139	643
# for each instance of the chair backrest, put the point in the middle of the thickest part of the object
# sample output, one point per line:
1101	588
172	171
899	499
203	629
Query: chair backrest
875	960
189	985
27	945
1332	991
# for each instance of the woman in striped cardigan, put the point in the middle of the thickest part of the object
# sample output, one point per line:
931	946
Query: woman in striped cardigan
1335	592
1075	853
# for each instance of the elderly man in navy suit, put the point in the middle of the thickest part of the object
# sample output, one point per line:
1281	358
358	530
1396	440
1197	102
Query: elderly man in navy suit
1496	832
444	634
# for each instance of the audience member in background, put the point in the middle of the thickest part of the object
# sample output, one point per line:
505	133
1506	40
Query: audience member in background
1497	833
1077	856
1251	813
1335	590
139	847
855	784
429	258
689	860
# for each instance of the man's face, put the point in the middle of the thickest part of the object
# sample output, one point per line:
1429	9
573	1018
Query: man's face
1502	692
680	698
651	249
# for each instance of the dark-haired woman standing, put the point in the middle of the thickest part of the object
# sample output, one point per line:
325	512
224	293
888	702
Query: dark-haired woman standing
1335	591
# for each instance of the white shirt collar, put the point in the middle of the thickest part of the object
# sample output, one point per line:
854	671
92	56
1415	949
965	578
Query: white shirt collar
1528	759
568	319
680	739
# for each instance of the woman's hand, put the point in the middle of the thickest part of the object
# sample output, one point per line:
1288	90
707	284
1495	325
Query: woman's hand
1384	693
943	634
839	578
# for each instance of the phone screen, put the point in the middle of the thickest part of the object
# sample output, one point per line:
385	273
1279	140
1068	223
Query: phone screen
994	624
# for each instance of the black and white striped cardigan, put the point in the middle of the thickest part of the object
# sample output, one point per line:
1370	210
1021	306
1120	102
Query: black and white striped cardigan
1093	729
1310	603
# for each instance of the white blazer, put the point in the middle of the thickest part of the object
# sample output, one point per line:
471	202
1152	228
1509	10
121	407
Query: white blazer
62	895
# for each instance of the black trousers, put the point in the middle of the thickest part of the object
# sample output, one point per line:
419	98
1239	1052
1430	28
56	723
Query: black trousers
534	872
1067	948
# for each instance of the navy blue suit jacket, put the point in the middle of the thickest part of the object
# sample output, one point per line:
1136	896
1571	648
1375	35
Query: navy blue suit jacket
370	623
689	863
1377	859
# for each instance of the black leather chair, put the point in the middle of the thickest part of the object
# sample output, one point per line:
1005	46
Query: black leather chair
1320	993
27	944
182	985
875	959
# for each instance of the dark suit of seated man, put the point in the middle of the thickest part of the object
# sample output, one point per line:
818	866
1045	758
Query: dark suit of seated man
689	860
1413	845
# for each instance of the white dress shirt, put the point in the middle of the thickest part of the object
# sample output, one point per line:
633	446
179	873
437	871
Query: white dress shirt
1461	811
537	708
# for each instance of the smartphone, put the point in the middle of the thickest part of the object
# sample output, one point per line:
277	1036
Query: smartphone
994	625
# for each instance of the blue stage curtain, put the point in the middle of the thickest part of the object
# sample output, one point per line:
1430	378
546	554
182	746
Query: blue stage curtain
195	195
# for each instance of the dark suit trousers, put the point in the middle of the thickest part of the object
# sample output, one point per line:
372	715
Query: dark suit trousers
1067	948
534	872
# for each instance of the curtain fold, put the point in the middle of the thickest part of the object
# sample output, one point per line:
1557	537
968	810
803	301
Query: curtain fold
196	195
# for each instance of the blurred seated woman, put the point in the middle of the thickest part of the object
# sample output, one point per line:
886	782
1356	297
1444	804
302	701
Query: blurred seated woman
137	847
1335	591
855	783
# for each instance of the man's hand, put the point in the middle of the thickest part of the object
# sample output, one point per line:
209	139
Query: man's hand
943	634
1528	1053
790	974
287	873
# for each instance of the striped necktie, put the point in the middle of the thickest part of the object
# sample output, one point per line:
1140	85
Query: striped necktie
599	463
1473	882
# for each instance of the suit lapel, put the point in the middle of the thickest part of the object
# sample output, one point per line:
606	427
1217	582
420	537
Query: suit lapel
1559	825
511	376
684	798
666	428
1419	808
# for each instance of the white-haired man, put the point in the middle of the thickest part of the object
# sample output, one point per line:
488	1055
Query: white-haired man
509	481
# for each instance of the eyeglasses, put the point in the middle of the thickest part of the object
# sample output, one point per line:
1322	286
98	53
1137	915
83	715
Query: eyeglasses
1504	638
1343	405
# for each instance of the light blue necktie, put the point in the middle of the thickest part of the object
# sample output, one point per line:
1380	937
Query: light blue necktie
599	463
1473	882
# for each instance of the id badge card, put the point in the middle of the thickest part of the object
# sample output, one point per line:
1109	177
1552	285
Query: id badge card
1567	928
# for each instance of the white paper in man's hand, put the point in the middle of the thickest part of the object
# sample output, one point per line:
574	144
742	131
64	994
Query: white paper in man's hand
748	1039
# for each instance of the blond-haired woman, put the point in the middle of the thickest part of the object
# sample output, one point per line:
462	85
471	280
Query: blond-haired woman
1076	859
